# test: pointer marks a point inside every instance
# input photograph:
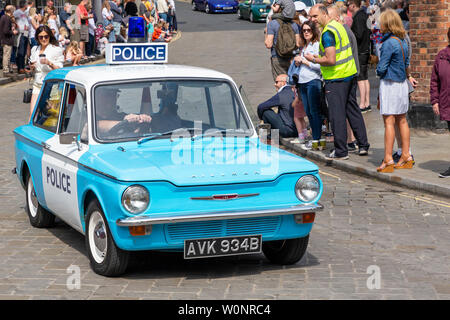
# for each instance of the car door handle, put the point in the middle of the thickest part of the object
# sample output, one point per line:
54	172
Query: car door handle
45	145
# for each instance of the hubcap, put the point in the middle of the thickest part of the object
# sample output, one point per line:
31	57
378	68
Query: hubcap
207	8
32	199
97	237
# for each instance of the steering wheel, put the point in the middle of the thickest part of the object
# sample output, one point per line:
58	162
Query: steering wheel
124	128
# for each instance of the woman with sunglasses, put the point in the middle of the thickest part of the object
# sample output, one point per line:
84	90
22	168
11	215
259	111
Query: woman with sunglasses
310	79
44	58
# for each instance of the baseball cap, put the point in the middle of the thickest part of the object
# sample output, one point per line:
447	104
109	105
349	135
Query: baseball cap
299	6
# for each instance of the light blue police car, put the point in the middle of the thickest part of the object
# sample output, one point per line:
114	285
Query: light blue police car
160	157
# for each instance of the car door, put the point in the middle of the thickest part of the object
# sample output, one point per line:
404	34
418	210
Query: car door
60	160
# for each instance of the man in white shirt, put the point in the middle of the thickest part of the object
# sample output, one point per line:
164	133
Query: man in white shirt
163	9
22	21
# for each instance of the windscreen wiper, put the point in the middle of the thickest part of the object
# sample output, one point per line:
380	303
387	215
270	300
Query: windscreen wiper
234	133
154	135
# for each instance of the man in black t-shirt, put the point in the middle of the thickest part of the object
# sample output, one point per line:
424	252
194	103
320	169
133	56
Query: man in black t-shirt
362	34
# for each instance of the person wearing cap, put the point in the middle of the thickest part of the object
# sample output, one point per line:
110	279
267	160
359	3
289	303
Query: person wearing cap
338	68
300	8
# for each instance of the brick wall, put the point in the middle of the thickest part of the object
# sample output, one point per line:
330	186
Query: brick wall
429	21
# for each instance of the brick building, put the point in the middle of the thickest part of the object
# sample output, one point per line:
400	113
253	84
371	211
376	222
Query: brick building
429	22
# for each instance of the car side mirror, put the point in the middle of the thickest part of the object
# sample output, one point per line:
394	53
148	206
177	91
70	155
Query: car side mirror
70	138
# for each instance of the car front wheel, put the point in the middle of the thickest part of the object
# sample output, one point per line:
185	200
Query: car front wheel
39	217
285	251
207	9
239	14
194	8
105	257
252	19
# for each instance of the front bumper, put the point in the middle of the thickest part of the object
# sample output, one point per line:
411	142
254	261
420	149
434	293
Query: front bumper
218	215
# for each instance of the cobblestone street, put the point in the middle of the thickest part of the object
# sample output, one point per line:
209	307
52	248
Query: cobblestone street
366	224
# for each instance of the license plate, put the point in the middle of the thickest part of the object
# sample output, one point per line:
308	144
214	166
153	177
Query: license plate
227	8
225	246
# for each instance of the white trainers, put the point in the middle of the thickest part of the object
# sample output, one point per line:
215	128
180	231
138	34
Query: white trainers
307	145
332	156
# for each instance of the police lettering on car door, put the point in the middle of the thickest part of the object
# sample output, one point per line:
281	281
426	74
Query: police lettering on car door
58	180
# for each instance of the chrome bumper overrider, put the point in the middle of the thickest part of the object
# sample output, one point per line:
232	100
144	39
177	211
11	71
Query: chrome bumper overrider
218	215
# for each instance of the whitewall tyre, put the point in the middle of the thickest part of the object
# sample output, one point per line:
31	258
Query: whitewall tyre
39	217
105	257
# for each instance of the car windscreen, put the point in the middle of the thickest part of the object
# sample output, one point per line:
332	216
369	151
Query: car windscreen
127	111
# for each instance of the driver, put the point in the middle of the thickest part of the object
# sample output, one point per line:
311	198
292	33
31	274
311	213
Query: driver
167	118
107	115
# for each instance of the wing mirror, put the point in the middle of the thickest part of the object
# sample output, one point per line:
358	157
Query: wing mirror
70	138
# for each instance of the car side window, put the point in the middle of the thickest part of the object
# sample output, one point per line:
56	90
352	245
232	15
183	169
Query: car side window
74	118
47	112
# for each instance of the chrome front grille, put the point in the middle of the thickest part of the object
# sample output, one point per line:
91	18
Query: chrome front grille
178	232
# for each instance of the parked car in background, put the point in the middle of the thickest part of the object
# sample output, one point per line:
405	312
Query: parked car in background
254	10
213	6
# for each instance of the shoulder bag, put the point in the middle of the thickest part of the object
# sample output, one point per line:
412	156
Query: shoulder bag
410	87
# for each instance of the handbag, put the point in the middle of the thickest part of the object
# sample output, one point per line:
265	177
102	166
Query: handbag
410	86
27	95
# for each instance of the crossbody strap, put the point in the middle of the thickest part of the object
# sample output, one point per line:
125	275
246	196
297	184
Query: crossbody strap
401	47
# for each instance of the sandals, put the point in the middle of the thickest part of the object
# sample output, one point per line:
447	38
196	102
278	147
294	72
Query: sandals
390	166
386	167
405	164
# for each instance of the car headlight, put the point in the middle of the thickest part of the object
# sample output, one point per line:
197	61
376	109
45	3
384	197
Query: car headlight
135	199
261	10
307	188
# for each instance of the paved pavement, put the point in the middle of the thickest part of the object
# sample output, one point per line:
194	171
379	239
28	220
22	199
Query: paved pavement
367	225
242	42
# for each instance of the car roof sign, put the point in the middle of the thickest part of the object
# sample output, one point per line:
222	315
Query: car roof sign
132	53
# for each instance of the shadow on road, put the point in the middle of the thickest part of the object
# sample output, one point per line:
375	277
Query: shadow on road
156	264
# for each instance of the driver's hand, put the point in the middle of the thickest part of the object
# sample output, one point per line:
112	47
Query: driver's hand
144	118
131	117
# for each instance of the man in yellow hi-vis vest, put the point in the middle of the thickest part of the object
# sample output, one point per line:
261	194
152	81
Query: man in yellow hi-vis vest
339	73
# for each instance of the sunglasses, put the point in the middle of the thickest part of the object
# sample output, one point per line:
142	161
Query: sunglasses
46	37
307	30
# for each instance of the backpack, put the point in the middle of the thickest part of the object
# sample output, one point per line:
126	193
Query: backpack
286	43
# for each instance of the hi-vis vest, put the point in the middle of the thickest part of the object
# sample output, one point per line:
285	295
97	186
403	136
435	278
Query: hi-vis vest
345	63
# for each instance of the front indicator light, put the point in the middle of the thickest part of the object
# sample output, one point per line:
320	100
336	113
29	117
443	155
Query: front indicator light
305	217
140	230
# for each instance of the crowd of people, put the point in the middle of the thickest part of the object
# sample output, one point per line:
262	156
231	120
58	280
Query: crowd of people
323	56
38	42
79	33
